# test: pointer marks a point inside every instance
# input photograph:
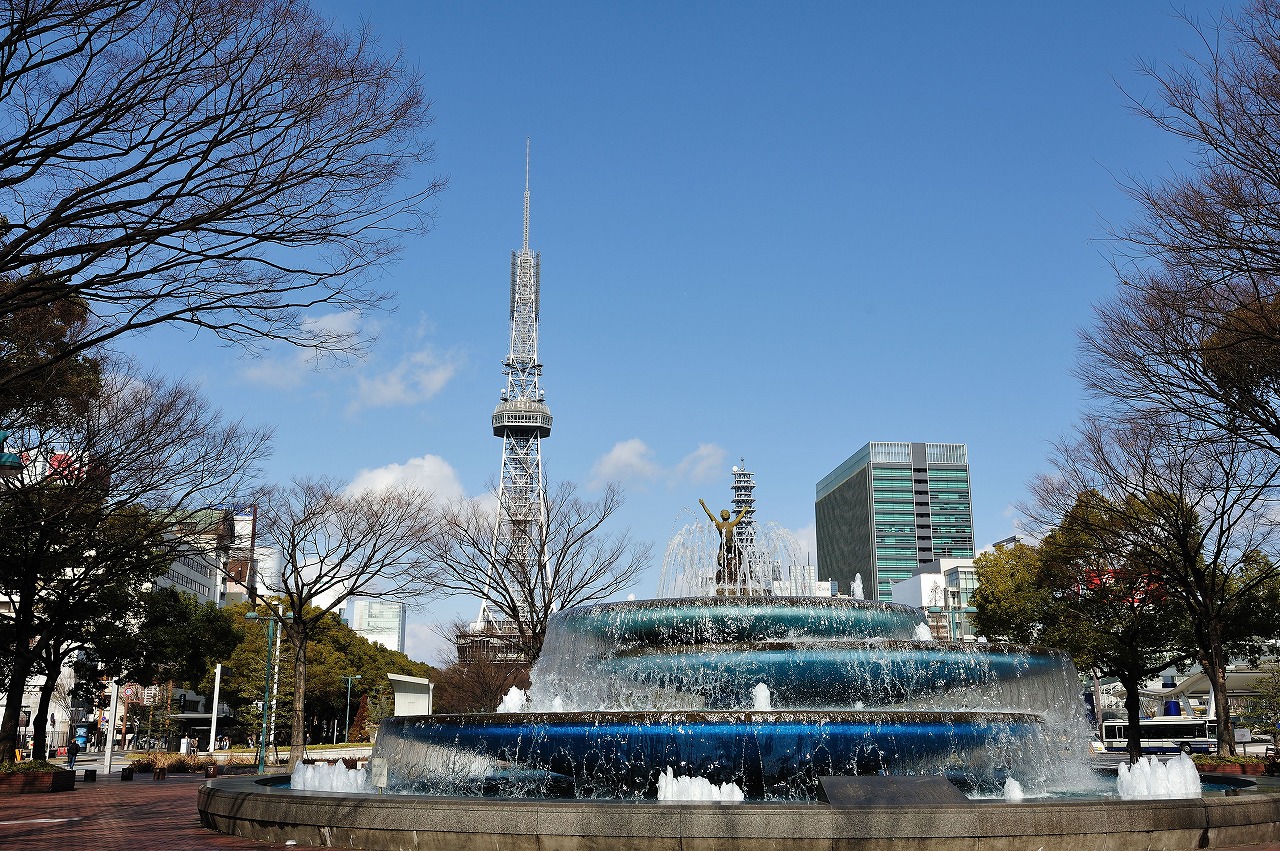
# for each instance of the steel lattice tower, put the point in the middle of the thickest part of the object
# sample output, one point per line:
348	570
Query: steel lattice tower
522	419
744	485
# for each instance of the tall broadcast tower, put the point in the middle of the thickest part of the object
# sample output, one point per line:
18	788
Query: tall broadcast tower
522	419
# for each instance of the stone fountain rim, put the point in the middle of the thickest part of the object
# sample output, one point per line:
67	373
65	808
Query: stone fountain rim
251	807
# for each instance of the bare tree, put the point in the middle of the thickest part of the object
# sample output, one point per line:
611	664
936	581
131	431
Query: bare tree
223	164
108	499
577	561
1187	506
474	684
333	545
1195	328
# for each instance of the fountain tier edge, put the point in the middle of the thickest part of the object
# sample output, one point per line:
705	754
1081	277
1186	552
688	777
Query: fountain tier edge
625	691
769	755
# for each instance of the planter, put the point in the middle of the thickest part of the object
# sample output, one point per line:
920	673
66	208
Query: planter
1231	768
27	782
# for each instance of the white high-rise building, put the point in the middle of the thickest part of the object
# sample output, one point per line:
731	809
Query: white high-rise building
382	621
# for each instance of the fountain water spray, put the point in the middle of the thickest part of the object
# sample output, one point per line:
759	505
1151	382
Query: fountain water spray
672	788
1150	778
772	565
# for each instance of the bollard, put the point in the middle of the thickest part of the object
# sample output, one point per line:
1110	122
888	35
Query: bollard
91	775
126	773
211	771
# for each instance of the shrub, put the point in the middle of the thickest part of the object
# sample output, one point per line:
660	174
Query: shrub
1226	759
29	766
151	760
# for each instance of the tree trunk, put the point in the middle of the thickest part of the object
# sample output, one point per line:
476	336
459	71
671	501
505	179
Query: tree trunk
40	724
298	740
1215	669
1133	710
9	744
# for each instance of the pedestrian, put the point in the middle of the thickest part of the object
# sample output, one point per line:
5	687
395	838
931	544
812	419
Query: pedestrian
73	750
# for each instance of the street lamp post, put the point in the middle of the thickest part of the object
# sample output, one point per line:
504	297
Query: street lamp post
272	623
347	733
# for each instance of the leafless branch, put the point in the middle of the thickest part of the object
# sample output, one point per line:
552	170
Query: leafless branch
577	562
225	164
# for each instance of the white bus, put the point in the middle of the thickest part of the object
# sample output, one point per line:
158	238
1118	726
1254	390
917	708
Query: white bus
1166	734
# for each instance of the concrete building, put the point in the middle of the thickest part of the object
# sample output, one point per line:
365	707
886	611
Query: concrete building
942	588
891	508
382	621
196	573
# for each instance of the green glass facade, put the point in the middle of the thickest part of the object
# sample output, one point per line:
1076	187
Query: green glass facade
890	508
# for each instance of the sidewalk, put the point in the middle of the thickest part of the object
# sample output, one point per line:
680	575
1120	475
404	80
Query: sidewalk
111	815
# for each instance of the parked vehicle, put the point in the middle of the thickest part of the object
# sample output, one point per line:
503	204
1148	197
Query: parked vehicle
1166	734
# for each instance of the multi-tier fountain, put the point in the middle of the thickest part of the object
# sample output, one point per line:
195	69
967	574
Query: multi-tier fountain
767	693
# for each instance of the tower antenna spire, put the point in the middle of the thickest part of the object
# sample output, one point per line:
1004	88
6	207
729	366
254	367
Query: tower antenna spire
526	194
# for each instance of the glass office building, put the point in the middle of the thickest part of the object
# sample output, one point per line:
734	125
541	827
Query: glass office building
890	508
382	621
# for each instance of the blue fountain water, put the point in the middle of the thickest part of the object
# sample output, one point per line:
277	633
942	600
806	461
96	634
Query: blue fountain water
625	691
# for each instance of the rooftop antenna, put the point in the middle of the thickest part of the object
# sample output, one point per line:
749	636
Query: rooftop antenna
526	195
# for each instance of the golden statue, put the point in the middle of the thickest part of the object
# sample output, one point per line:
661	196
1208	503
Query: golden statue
728	558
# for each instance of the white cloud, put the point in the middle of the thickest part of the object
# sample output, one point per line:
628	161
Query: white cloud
631	461
288	370
808	538
416	378
628	460
487	502
423	643
343	322
702	465
277	373
430	472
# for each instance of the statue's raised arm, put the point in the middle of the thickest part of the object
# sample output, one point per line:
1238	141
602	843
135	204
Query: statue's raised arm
709	514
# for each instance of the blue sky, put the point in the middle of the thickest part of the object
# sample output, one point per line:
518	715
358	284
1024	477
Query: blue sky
768	231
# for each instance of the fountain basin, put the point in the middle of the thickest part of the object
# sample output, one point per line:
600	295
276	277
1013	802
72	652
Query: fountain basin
769	755
256	808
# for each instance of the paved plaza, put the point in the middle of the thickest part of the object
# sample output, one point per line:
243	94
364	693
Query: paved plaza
111	815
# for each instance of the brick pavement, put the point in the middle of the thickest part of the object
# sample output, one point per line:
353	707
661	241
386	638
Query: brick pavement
141	815
111	815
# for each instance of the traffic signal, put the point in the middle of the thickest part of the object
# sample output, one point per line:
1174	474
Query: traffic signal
102	695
